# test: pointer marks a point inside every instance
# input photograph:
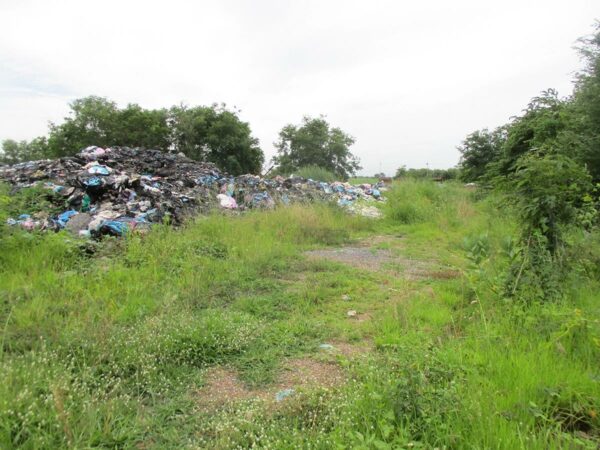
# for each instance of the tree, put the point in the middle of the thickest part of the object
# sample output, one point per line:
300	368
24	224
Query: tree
216	134
98	121
478	150
92	122
315	142
138	127
14	152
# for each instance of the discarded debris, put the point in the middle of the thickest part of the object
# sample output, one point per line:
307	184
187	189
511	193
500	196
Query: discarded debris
282	395
117	190
328	347
351	313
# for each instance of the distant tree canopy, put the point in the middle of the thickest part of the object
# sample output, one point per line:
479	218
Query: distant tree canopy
14	152
208	133
424	173
315	143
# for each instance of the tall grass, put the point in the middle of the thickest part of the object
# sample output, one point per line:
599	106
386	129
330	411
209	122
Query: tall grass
109	349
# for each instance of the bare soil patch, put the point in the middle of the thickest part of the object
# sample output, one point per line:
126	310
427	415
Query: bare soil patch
223	385
365	255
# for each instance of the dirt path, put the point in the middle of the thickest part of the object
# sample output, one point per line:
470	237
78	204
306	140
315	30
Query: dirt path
383	254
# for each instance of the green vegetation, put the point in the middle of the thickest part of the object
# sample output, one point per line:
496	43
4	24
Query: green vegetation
315	143
549	125
424	174
206	133
463	319
113	349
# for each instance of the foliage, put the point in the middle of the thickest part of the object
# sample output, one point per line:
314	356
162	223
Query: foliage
545	160
212	133
547	193
14	152
216	134
424	173
586	104
98	121
478	150
315	142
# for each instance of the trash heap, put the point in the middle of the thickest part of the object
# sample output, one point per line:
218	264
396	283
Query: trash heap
115	190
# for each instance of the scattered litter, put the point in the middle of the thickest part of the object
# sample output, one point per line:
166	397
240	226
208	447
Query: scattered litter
326	347
282	395
351	313
346	297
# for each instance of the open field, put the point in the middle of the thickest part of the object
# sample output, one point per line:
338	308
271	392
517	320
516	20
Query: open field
302	327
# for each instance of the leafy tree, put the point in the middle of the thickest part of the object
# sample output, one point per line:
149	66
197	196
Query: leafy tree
98	121
218	135
315	142
478	150
93	121
203	133
538	129
138	127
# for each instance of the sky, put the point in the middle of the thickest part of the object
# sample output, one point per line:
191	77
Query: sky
408	80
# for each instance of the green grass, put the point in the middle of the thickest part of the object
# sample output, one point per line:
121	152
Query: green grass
109	350
363	180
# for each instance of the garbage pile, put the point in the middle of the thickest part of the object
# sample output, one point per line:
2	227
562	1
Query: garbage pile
115	190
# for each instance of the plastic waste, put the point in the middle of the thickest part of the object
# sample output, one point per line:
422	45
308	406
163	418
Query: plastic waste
93	182
326	347
285	393
99	170
63	218
226	201
138	187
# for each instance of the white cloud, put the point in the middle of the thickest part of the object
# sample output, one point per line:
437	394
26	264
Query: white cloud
408	80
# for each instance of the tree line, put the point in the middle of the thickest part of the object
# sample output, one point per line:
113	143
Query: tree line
550	128
204	133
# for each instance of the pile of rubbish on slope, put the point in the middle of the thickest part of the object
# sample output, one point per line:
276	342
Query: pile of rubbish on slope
115	190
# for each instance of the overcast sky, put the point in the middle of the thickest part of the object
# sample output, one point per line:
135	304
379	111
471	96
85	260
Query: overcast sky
407	79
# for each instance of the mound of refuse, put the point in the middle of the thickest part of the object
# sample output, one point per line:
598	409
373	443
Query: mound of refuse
120	189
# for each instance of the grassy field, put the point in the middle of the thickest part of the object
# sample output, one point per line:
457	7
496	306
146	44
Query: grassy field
373	334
